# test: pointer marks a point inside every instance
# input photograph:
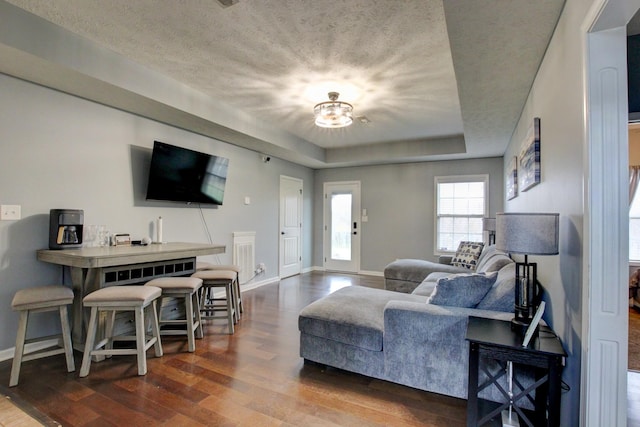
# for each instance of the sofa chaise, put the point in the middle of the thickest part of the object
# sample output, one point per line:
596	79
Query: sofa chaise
410	339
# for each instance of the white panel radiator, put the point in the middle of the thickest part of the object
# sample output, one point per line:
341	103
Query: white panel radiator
244	253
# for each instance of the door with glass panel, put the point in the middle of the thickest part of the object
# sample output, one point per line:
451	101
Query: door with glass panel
342	226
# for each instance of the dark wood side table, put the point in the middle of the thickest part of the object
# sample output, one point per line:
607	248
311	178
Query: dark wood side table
495	339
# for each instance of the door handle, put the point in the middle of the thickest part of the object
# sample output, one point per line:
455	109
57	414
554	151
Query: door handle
282	232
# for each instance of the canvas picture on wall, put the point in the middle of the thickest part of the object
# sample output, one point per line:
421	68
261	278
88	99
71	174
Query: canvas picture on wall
529	170
512	179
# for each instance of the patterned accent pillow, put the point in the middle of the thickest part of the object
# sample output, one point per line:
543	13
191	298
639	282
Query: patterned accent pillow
467	255
462	290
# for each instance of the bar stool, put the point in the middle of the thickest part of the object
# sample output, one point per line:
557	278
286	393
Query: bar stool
122	298
217	279
185	288
201	266
38	300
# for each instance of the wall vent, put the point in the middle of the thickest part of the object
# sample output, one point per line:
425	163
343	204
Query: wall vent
244	253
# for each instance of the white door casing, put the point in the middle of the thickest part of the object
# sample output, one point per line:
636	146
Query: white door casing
290	241
606	216
334	257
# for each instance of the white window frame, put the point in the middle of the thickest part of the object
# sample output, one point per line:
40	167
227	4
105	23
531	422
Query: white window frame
484	178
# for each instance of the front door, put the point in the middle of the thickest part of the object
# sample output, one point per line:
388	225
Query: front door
342	226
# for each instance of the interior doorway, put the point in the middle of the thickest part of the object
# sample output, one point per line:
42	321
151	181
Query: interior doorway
604	314
290	239
342	226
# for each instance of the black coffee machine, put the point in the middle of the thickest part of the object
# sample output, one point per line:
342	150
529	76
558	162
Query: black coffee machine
65	228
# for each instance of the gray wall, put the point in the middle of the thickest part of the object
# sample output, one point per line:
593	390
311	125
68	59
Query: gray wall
557	98
400	204
59	151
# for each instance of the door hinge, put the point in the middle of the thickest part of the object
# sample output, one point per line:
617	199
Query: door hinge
301	191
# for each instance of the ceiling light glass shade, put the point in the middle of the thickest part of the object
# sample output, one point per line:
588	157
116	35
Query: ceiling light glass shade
333	113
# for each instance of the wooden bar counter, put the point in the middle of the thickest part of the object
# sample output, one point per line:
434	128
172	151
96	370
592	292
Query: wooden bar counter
97	267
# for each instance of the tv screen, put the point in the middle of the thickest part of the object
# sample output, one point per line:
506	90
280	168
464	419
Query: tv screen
182	175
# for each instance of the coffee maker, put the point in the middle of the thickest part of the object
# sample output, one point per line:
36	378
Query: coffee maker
65	228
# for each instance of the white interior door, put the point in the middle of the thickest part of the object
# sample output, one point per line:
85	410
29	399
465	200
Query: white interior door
342	226
290	258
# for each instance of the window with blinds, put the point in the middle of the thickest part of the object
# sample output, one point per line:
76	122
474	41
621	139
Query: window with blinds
461	203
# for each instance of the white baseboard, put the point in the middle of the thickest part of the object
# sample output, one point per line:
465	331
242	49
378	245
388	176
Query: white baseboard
371	273
361	272
29	348
254	285
250	285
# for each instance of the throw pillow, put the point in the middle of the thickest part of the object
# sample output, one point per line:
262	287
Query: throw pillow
462	290
467	254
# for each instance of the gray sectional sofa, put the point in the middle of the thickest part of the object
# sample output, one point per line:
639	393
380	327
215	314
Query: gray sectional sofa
400	337
404	275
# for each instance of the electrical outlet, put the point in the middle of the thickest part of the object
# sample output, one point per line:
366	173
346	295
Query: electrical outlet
9	212
260	268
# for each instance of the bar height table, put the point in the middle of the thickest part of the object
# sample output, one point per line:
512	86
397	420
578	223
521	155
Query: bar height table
97	267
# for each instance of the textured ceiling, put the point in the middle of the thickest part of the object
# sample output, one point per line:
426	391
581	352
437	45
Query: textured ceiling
422	71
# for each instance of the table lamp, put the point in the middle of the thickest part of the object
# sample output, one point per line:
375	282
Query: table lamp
527	234
489	224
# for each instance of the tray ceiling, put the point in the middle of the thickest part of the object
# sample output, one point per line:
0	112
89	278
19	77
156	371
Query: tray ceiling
437	80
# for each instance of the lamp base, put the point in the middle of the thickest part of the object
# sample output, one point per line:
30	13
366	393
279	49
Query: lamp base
520	326
510	418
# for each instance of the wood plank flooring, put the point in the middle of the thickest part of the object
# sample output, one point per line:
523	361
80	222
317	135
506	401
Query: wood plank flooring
252	378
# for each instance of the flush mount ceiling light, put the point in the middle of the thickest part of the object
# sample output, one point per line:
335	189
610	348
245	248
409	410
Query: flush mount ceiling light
333	113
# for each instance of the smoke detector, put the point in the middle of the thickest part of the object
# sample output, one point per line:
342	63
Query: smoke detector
227	3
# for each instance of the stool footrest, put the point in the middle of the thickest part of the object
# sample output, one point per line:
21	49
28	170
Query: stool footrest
124	351
43	353
177	331
58	337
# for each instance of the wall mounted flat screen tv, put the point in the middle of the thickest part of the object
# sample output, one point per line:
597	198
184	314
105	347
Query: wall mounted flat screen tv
181	175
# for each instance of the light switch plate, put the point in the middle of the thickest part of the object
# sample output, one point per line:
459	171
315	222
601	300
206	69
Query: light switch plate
9	212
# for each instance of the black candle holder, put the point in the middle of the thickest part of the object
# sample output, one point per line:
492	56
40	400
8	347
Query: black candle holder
527	295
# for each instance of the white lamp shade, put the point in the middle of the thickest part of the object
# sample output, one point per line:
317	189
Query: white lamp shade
527	233
489	224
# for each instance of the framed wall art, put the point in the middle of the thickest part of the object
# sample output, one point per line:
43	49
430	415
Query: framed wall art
512	179
529	170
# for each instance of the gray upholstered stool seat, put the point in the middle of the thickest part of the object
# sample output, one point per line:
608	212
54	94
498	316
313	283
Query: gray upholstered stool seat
185	288
122	298
37	300
202	266
217	279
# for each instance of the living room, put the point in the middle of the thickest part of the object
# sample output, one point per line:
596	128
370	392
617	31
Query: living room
63	151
